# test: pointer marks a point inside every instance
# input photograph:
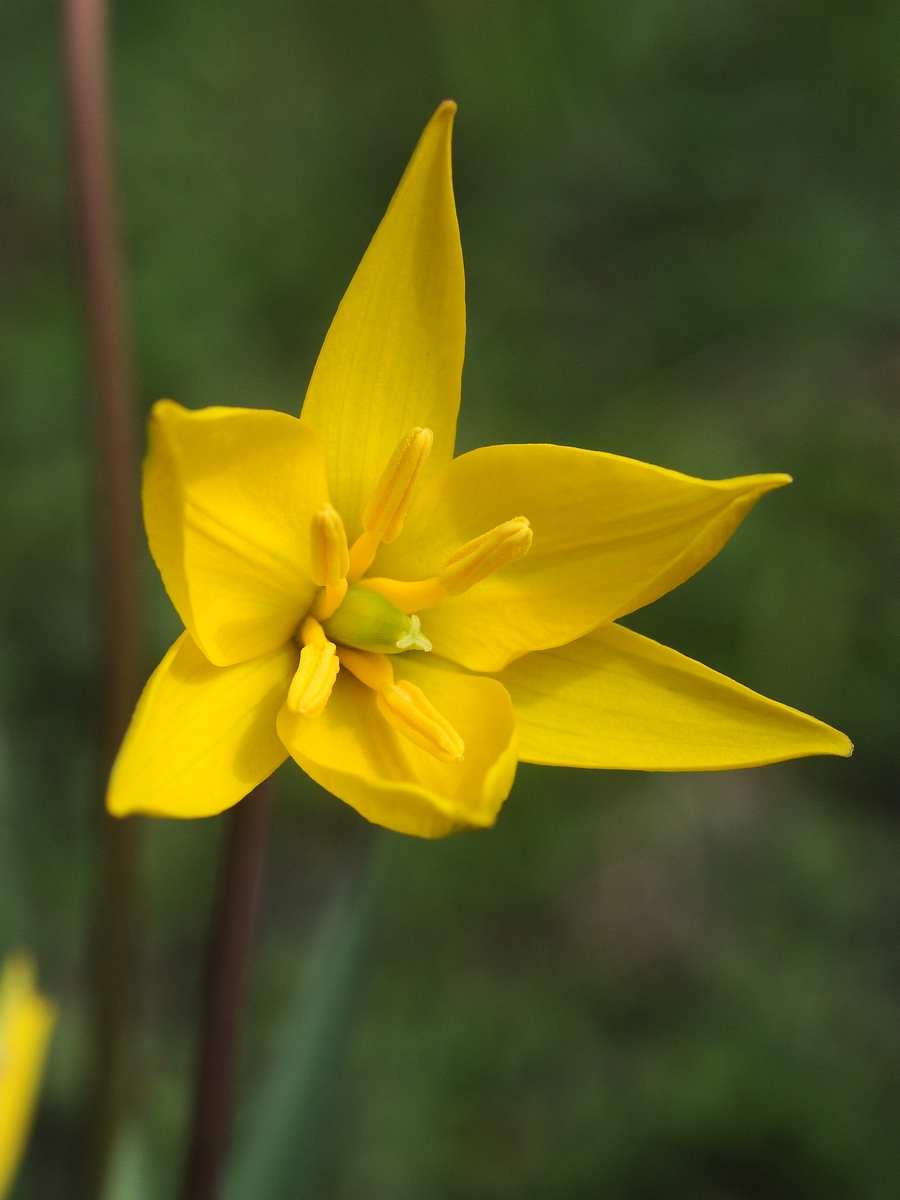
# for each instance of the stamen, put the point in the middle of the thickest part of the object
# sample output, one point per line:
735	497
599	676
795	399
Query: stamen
362	554
329	600
311	633
329	560
408	597
404	706
393	494
386	511
311	686
374	670
484	555
474	561
406	709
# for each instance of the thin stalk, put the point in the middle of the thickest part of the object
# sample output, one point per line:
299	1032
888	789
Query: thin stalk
231	941
113	422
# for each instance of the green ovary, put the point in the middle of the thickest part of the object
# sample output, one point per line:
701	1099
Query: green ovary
366	620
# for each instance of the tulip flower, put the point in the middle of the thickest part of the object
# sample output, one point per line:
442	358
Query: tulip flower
26	1022
405	624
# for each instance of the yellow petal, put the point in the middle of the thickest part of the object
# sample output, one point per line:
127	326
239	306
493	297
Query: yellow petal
201	736
353	752
618	700
229	498
610	535
393	356
27	1022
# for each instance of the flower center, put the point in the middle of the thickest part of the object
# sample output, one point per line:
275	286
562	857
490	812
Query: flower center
367	620
355	622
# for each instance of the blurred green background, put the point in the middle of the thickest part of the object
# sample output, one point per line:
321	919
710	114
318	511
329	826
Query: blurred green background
681	222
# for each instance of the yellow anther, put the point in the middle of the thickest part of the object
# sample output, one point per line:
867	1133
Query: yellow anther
386	511
404	706
311	686
393	493
406	709
484	555
329	560
474	561
329	556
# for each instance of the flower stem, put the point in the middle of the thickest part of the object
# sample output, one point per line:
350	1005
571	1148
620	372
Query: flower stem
111	400
231	940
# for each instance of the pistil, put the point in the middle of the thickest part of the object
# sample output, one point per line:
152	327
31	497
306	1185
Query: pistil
367	620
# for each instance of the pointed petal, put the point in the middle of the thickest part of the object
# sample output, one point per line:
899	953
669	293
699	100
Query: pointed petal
201	736
610	535
229	495
618	700
353	752
393	356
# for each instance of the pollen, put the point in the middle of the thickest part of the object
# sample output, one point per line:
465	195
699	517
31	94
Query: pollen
386	511
314	679
329	559
484	555
406	709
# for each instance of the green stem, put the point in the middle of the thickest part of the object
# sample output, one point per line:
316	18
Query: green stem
116	459
282	1152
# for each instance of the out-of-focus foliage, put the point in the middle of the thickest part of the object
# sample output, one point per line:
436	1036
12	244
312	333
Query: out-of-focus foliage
680	220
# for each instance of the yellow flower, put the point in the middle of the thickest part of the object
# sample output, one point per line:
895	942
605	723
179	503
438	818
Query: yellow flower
405	624
26	1021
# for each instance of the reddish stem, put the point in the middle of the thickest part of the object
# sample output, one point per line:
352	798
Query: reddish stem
234	922
113	407
116	461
